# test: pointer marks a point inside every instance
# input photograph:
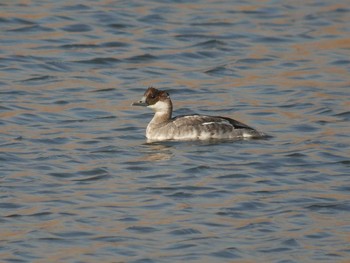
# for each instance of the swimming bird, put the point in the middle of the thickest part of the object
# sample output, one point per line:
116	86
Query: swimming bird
189	127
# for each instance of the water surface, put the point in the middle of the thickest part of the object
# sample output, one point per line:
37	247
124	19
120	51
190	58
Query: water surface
79	183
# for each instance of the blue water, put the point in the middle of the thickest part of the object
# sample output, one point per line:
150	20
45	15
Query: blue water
79	182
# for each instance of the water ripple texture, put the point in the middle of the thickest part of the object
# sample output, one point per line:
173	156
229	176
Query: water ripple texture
79	182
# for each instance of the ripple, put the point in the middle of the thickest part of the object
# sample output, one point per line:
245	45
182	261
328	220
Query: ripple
4	205
273	39
93	178
154	18
192	36
78	46
345	115
33	28
253	60
185	231
213	43
87	175
41	215
99	61
229	253
222	71
142	229
141	58
329	208
75	7
74	234
40	79
119	25
77	28
341	62
78	178
114	44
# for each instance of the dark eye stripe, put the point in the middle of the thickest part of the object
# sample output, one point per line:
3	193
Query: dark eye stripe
152	98
153	95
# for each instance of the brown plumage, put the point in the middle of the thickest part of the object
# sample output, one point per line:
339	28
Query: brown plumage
189	127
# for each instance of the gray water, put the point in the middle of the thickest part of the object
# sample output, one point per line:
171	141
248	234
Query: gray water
79	182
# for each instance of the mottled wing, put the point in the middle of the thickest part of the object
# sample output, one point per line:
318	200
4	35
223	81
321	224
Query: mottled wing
237	124
200	120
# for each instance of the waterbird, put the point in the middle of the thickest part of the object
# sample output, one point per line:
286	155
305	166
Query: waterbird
189	127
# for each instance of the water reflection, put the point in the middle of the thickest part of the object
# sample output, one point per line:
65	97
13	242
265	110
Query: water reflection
153	152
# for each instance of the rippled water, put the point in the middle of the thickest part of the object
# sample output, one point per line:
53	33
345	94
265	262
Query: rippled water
79	183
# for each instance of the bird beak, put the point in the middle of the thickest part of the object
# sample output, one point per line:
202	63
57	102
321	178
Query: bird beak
142	102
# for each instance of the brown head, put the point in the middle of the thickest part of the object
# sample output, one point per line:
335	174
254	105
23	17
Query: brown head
156	99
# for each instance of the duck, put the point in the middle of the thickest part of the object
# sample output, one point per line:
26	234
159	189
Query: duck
164	127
